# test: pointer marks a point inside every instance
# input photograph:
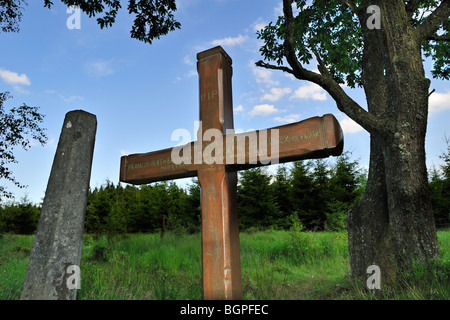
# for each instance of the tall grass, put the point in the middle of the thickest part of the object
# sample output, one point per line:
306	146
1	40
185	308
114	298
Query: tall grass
275	265
14	253
142	267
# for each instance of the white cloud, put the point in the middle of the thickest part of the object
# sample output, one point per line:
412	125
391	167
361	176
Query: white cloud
276	94
439	102
230	41
263	109
350	126
14	78
310	91
288	119
263	75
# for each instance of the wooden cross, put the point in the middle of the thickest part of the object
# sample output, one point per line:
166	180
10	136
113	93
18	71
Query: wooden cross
216	157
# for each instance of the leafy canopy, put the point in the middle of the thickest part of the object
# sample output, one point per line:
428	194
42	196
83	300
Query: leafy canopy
10	15
332	31
18	127
154	18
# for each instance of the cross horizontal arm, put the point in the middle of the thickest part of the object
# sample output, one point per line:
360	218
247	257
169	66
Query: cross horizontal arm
317	137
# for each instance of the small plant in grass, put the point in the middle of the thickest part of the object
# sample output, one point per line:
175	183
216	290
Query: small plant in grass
97	248
300	242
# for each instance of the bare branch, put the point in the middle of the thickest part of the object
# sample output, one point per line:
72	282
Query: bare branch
345	104
432	91
273	67
432	23
443	37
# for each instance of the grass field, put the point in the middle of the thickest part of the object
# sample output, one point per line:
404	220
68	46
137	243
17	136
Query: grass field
275	265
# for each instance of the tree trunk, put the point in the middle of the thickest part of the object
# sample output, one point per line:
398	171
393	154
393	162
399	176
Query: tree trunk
393	225
370	241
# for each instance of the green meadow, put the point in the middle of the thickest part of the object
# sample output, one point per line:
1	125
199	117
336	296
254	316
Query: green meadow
276	265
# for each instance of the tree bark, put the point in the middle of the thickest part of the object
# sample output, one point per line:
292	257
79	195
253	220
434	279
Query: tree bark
393	225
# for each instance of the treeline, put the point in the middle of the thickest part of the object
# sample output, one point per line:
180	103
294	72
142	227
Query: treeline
439	182
318	193
19	218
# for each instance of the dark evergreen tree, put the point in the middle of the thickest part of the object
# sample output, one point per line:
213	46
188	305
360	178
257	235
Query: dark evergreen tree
282	189
256	203
440	190
302	191
344	180
321	194
19	218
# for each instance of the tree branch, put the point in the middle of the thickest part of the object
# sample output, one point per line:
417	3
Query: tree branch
262	64
432	23
411	7
345	104
289	50
351	4
432	91
322	68
443	37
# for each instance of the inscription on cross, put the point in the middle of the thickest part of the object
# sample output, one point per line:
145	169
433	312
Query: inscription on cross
216	156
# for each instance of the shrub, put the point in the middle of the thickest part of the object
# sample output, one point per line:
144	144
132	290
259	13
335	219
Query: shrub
337	217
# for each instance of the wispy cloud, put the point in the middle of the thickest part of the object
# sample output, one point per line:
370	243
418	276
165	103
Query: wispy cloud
14	78
100	68
310	91
278	10
20	90
190	74
188	60
239	109
288	119
72	98
230	41
276	94
259	24
263	109
439	102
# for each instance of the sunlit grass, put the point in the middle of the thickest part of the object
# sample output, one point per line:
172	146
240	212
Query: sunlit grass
274	265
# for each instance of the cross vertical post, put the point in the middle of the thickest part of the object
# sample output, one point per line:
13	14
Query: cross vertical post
221	265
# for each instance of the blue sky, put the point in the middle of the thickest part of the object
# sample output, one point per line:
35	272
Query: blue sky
141	93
